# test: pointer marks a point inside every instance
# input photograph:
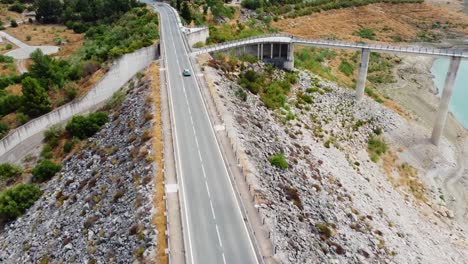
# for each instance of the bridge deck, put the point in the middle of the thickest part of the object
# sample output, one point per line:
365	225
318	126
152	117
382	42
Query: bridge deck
333	44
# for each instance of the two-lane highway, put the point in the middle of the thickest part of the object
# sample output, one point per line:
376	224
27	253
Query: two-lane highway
214	229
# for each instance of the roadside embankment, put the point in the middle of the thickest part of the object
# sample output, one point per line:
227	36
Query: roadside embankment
24	138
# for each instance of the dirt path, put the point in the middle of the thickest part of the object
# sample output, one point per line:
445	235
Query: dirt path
454	186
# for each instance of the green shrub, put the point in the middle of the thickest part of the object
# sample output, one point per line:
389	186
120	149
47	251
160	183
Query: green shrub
366	33
251	80
241	94
275	95
3	129
248	58
346	67
9	103
199	44
45	170
9	171
17	7
68	146
8	46
85	126
117	99
54	132
16	200
46	152
7	59
376	147
28	38
71	91
21	118
13	23
279	161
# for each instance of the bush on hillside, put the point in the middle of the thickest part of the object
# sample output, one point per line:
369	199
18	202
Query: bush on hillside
3	129
45	170
16	200
85	126
35	99
53	133
9	171
279	161
17	7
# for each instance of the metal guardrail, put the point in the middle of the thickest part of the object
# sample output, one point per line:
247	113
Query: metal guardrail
284	38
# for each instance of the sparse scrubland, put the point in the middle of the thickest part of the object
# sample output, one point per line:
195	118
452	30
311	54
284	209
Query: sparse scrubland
336	180
97	205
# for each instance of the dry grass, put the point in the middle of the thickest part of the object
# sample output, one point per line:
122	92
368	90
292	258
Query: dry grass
15	89
3	47
7	69
403	175
6	16
48	35
9	120
399	19
159	219
86	84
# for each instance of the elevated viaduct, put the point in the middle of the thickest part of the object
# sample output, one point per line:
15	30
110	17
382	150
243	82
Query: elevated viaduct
278	49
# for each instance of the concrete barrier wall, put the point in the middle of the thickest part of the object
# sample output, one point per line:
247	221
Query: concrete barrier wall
121	71
200	35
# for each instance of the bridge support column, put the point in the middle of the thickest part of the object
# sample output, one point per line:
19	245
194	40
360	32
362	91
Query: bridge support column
361	82
271	50
258	52
289	63
261	51
445	100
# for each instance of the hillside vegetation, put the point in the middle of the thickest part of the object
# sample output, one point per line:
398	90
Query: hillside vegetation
296	8
111	30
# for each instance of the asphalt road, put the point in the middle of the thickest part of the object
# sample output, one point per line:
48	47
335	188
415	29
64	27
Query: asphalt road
214	230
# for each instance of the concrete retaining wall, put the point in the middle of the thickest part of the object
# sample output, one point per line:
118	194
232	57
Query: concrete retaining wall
121	71
198	35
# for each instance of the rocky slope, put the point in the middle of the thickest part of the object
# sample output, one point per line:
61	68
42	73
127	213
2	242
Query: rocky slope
333	204
98	208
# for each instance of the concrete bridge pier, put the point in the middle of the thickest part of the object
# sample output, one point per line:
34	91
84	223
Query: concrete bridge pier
289	63
445	100
361	82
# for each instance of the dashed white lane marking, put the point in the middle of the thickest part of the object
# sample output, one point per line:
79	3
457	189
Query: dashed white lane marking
208	190
203	168
224	259
213	213
219	237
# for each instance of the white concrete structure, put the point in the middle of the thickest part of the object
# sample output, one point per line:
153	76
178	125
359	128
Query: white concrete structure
287	61
121	71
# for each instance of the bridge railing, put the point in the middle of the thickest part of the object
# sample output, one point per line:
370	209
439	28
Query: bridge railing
331	43
234	43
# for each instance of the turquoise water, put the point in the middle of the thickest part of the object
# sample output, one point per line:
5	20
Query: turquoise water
459	103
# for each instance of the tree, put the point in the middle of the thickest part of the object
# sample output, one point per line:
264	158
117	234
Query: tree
178	4
186	13
47	70
35	99
49	11
45	170
16	200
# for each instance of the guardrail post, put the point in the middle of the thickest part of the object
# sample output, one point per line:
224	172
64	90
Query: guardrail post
445	100
363	65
